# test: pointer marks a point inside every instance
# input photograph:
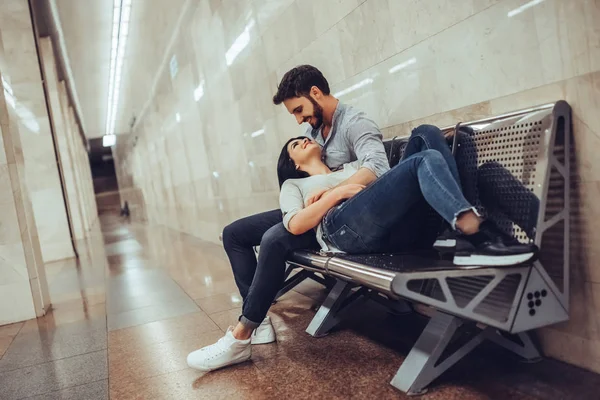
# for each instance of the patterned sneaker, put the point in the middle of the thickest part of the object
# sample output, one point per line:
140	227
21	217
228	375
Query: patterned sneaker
446	241
487	248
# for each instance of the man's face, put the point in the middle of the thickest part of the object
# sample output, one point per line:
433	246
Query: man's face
305	109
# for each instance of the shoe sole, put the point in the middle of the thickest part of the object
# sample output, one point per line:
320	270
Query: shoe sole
263	341
445	243
207	369
492	261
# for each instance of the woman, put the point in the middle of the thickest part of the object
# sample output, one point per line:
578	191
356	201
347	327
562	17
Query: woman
389	214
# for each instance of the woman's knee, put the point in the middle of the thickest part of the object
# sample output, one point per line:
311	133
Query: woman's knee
431	156
427	131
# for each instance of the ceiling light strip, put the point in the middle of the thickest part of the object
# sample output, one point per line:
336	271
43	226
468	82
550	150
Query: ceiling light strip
120	31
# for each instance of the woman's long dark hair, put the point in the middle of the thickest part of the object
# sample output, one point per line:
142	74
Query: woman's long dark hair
286	167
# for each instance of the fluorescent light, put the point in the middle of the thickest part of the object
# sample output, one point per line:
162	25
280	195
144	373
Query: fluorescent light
199	91
27	118
25	115
120	32
257	133
354	87
239	44
216	174
251	163
6	86
524	7
8	93
173	66
10	100
178	117
403	65
109	140
479	126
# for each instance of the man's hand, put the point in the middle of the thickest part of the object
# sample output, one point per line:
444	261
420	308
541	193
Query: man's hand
316	196
346	191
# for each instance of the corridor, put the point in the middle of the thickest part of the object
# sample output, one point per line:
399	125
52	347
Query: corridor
125	317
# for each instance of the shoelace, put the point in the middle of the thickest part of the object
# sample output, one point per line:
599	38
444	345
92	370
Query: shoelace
216	349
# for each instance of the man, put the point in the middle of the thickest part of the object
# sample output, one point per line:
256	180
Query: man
346	135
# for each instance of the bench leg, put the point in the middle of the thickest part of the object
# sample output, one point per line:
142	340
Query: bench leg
421	366
396	307
526	348
292	282
327	316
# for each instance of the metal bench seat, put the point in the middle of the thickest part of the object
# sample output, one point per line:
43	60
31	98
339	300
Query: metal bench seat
515	168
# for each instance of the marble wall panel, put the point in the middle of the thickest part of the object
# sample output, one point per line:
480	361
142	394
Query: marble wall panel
402	62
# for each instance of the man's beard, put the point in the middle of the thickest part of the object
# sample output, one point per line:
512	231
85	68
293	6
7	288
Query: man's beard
317	114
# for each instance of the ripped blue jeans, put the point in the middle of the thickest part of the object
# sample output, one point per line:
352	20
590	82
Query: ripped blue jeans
389	214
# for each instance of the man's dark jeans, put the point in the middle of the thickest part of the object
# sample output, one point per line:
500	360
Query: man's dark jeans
259	280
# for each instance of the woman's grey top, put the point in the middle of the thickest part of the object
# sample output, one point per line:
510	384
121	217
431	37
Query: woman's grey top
295	192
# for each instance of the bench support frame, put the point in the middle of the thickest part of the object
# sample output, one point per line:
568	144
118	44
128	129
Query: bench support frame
328	316
340	299
423	364
296	279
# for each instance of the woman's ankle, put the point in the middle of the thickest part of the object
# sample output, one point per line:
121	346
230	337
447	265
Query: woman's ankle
468	222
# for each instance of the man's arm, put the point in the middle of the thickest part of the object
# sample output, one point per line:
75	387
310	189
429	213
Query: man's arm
312	215
366	140
364	176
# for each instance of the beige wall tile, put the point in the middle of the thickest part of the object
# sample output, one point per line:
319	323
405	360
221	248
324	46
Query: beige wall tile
36	142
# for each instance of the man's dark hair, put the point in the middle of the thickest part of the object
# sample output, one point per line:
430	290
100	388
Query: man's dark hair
286	168
298	81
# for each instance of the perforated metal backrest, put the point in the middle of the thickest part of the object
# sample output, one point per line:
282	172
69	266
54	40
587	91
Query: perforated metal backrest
508	161
516	170
394	149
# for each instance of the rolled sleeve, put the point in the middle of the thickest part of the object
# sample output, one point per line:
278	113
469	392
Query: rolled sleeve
290	201
366	140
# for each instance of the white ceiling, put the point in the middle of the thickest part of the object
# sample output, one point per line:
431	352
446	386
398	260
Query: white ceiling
87	32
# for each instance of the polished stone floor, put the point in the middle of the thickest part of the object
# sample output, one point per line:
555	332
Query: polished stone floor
139	300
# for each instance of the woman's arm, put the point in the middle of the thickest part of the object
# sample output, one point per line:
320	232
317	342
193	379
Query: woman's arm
363	176
311	216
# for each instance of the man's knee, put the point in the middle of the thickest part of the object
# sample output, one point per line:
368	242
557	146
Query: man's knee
231	233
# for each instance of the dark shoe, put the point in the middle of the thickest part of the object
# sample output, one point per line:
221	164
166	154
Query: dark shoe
446	241
488	248
493	230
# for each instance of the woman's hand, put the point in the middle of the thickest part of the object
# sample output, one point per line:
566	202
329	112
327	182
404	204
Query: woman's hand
346	191
316	196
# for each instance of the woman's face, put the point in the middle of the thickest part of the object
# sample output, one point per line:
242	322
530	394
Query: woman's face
303	150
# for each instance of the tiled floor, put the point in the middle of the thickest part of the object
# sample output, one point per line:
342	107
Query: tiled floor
139	300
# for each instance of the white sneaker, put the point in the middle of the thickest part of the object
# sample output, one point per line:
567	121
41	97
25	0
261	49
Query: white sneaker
264	333
227	351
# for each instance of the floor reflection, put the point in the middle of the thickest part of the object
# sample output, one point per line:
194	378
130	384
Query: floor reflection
140	298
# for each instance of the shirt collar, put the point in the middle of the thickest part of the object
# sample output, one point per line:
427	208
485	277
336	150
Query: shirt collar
338	110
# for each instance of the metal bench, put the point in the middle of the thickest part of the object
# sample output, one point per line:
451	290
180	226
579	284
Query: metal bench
518	168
